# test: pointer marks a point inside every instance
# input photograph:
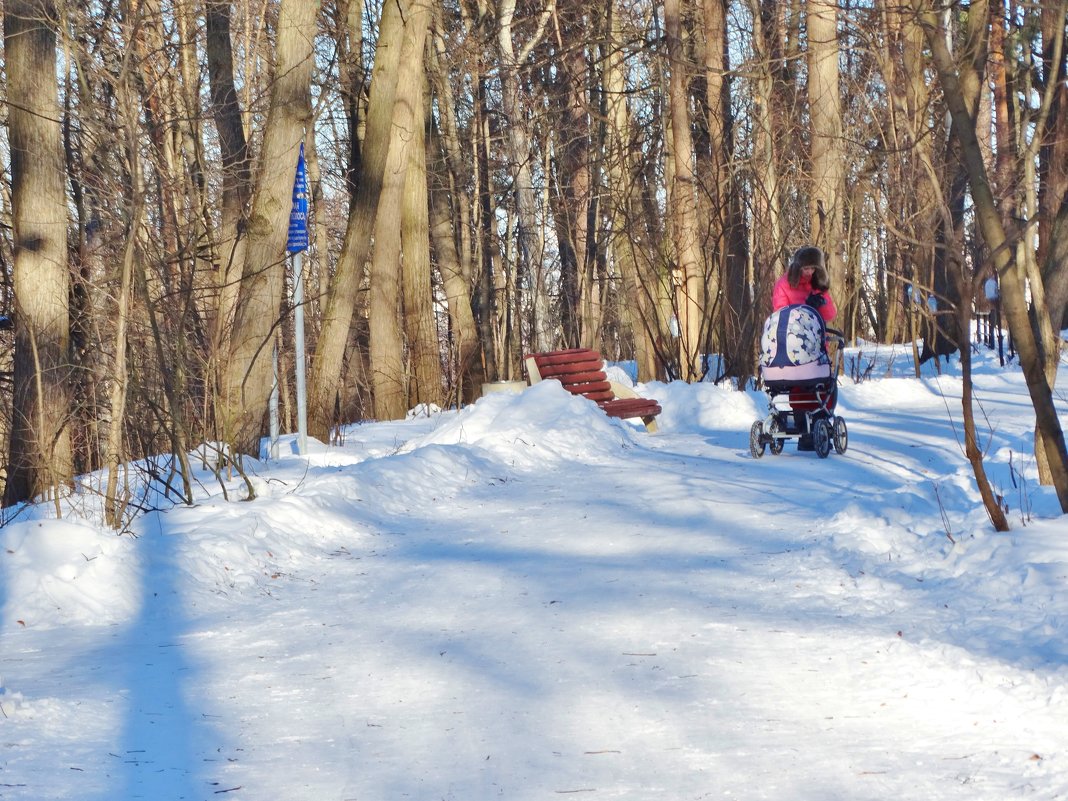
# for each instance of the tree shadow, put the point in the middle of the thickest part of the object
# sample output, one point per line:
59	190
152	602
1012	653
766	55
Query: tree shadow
160	742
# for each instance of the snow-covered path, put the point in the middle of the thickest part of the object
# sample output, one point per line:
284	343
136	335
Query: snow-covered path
530	603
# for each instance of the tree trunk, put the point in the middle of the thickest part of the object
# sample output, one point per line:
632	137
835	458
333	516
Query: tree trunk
114	505
41	455
766	231
236	171
991	503
644	298
248	373
451	227
356	247
826	199
682	205
737	311
420	324
389	375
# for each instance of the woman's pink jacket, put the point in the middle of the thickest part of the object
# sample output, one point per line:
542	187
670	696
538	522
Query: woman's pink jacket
785	295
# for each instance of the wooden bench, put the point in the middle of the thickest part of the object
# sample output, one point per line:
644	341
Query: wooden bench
581	372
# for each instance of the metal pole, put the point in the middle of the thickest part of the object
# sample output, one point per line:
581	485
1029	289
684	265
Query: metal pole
273	406
298	341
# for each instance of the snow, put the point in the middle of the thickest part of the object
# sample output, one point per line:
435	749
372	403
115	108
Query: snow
524	599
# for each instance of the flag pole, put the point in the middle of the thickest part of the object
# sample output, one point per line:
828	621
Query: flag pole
297	243
274	401
298	341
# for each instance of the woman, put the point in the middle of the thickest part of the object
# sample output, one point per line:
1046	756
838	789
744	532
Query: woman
806	282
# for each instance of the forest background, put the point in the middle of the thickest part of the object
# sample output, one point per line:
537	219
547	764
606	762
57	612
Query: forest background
489	179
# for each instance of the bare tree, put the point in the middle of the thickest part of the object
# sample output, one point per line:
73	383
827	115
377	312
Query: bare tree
1010	270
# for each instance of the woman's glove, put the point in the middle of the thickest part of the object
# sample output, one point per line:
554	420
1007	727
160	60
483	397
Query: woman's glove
815	300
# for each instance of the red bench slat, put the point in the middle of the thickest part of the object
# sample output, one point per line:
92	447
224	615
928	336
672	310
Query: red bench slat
575	369
566	356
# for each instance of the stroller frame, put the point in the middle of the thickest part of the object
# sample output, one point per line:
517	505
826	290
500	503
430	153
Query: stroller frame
803	408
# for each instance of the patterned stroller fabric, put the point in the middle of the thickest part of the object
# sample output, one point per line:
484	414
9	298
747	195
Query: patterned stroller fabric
792	346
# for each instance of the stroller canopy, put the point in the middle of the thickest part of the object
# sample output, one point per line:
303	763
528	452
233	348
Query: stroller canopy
793	346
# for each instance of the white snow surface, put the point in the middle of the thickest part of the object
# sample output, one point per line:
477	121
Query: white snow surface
525	599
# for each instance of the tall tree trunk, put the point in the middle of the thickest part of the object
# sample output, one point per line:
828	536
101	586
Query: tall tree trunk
41	455
682	204
236	171
766	233
356	247
119	383
644	298
826	199
572	201
248	373
737	310
463	331
389	374
420	324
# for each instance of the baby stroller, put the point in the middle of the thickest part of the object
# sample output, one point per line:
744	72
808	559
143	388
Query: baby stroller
801	383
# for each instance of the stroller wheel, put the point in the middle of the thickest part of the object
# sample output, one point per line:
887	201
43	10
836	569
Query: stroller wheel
821	438
756	439
776	443
840	435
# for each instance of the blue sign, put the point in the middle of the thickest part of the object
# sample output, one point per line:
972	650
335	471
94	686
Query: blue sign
298	217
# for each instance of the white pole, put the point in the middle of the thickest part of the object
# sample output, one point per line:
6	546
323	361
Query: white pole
274	403
298	341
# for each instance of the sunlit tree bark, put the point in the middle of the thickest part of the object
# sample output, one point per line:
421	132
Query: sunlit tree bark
689	280
420	324
236	169
647	305
389	262
826	197
345	285
248	372
41	456
737	311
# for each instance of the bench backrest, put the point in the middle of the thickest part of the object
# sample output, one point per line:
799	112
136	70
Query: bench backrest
580	370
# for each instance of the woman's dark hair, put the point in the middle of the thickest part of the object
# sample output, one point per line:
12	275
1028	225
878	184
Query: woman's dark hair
808	256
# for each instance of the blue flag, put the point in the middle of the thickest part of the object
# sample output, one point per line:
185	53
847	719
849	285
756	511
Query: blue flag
298	217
